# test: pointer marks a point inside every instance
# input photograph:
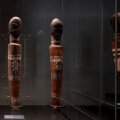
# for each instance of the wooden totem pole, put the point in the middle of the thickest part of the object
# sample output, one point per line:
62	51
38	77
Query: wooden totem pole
14	60
115	22
56	64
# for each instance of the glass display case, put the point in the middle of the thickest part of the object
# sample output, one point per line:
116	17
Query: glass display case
90	87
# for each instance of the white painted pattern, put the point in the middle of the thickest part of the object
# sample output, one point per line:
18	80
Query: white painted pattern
15	66
56	58
14	57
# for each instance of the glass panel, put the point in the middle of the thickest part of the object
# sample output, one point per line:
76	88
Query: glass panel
90	87
118	81
108	82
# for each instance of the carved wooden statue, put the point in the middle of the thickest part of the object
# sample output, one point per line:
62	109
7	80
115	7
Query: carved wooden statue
56	64
14	60
115	22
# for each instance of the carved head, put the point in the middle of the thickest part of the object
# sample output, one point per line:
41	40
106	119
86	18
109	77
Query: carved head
15	26
56	29
114	18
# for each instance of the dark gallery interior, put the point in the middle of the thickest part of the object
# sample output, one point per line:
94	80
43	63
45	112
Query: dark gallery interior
68	67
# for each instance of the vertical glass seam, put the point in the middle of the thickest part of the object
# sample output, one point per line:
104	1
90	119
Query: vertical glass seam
116	60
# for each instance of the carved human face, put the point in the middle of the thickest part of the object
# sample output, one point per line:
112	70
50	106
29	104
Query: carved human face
57	31
15	27
113	22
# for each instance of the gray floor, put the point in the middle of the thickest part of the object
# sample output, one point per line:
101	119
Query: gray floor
33	113
43	113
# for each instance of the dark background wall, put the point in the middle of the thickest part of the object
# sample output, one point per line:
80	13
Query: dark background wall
87	27
88	77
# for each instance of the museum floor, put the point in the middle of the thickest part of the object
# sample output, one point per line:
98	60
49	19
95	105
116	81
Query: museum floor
46	113
42	113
